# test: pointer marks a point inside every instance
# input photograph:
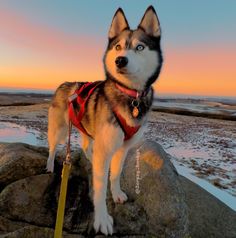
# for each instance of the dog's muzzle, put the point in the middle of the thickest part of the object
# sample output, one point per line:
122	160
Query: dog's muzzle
121	61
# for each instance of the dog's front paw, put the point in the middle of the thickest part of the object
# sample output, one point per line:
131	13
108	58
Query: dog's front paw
119	196
104	223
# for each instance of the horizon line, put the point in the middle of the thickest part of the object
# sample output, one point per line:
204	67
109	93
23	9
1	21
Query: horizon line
156	93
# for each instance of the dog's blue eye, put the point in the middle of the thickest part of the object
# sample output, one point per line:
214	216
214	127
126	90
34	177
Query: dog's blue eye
118	47
139	47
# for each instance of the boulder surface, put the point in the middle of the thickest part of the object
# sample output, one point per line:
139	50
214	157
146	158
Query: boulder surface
161	203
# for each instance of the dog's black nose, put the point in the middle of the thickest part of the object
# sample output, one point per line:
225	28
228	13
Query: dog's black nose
121	61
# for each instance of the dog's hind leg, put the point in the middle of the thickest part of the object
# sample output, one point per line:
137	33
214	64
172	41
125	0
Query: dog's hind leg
51	157
115	171
53	140
57	133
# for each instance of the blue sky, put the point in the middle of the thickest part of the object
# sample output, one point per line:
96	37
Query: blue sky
183	22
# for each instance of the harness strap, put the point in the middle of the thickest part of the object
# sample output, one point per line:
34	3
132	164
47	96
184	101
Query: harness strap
129	131
76	118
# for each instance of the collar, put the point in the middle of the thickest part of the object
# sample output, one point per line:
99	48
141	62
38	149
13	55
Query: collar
132	92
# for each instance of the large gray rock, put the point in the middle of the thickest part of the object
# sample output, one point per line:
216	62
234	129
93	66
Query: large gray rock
31	231
159	207
20	161
208	216
24	200
164	206
34	199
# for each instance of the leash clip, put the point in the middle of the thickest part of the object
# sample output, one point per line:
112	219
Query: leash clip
67	161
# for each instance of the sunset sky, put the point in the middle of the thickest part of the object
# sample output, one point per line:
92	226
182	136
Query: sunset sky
44	43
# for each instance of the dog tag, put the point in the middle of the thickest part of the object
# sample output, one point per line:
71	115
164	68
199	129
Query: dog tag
135	112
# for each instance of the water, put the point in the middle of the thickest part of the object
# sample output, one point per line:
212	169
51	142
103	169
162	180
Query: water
11	132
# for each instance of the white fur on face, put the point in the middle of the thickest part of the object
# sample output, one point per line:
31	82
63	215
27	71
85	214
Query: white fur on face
141	64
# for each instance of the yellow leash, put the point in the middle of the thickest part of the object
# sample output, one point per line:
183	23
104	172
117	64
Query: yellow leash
63	190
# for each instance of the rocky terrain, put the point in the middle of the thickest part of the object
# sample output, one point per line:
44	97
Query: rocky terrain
168	205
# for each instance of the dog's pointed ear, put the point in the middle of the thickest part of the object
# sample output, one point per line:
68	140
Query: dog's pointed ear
119	24
150	23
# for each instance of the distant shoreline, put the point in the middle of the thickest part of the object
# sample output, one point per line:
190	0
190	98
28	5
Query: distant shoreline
185	112
157	95
166	105
39	94
214	108
25	91
23	99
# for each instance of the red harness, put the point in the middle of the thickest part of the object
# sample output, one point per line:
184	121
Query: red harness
80	97
129	131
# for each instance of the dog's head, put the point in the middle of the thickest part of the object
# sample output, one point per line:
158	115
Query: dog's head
134	57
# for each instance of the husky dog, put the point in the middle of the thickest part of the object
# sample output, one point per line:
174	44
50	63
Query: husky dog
116	111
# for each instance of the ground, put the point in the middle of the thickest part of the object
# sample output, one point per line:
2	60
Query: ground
206	146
